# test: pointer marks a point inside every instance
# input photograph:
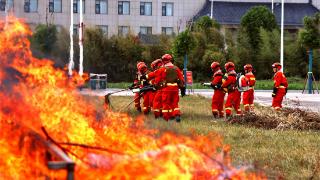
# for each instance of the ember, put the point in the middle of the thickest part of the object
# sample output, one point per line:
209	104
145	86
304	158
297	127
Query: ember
36	98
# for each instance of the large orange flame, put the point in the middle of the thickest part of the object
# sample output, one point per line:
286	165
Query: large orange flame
34	94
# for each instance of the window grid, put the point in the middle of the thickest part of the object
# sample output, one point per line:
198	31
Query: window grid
101	7
146	8
167	9
123	7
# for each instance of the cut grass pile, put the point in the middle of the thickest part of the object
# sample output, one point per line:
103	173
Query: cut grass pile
288	152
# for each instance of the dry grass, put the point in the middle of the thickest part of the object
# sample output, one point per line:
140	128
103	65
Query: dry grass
288	153
267	118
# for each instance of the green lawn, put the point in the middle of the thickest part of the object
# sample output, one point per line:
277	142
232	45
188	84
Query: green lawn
292	154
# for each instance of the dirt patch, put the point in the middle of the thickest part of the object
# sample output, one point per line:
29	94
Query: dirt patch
288	118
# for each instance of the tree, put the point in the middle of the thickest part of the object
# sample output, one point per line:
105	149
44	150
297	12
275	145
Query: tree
256	18
310	39
45	37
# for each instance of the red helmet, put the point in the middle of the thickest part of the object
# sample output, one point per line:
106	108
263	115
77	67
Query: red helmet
215	65
276	65
141	65
166	58
247	67
229	66
156	63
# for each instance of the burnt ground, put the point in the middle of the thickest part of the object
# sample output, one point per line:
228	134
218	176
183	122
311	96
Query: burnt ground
288	118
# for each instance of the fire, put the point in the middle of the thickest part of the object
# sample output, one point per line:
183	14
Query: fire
36	96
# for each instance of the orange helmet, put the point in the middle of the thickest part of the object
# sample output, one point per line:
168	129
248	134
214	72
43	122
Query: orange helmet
215	65
276	65
166	58
156	63
247	67
229	66
141	65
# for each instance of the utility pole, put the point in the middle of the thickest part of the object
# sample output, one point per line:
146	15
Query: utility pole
272	6
81	39
71	62
211	15
282	29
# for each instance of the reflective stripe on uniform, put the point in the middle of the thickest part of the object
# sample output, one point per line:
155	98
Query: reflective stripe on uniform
252	78
281	87
214	110
245	105
176	109
172	84
228	108
156	110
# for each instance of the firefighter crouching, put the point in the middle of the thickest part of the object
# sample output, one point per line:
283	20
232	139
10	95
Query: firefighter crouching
169	81
280	86
157	105
229	83
248	96
218	95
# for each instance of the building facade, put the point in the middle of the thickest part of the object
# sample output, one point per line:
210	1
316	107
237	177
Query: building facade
112	16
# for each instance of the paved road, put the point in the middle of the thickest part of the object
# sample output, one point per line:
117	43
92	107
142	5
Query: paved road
293	98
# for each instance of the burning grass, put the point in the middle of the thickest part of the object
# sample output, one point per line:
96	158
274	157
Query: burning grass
36	98
288	118
289	153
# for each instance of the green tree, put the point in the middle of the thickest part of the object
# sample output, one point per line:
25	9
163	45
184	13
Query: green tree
256	18
45	37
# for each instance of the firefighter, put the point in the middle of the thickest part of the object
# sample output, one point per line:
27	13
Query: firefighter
157	106
136	84
169	81
248	96
229	84
280	86
218	95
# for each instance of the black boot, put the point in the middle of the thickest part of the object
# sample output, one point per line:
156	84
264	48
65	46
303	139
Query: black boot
178	119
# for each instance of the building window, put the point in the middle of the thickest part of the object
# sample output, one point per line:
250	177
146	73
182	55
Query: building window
167	30
2	5
31	6
55	6
145	30
167	9
123	30
146	8
124	7
76	6
75	29
101	7
104	29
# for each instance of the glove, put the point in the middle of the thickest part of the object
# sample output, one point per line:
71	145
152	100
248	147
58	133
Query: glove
274	92
183	91
131	86
217	86
143	77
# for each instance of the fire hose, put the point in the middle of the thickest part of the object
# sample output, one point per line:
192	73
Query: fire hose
141	91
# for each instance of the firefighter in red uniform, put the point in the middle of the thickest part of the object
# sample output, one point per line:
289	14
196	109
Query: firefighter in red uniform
139	82
280	86
157	106
248	96
229	84
218	96
169	81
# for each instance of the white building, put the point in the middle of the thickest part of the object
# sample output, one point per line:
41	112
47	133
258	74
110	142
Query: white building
113	16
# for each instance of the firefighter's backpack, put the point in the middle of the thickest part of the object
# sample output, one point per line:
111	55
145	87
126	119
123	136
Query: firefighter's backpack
171	75
242	83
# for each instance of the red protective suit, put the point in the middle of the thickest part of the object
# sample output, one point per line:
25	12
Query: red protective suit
137	96
234	96
248	96
156	105
169	90
280	89
218	95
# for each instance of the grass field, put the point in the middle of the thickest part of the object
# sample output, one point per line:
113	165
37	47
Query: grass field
294	84
291	154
